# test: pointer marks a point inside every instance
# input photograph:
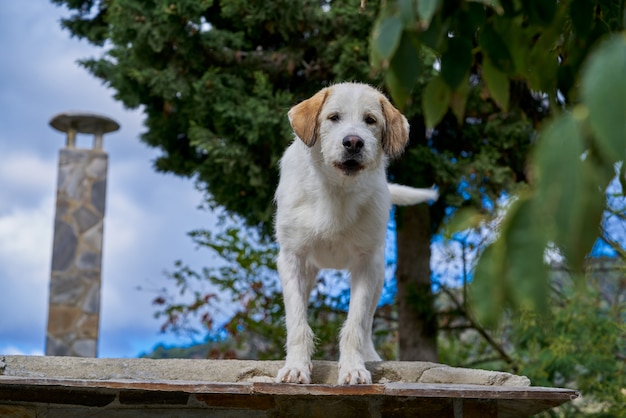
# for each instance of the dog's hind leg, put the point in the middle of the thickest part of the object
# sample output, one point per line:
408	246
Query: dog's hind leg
297	280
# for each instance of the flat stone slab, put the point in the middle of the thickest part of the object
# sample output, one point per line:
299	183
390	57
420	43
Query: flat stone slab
324	372
72	387
84	122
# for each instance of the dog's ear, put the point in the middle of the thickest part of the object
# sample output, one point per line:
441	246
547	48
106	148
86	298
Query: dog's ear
396	133
304	117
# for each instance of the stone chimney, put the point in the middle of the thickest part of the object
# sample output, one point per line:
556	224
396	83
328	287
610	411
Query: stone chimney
74	303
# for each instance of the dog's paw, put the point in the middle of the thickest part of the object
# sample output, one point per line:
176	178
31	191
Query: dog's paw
354	376
290	374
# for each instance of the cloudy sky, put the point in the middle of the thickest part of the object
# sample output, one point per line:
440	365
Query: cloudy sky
147	214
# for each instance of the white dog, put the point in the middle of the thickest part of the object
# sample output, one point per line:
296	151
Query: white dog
333	205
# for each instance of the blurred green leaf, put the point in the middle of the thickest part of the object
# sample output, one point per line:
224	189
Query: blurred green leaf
525	244
433	36
458	99
435	101
387	34
582	14
404	69
456	61
489	290
463	219
570	190
494	4
603	90
540	11
542	73
496	49
426	9
407	11
497	83
511	272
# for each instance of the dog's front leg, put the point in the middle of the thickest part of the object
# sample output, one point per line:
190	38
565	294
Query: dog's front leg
297	279
355	345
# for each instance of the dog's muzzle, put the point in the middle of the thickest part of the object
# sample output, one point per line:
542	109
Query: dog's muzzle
351	162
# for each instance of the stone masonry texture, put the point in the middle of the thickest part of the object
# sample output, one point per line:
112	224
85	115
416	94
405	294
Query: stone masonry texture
74	302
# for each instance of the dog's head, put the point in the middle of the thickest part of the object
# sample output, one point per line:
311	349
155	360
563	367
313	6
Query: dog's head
354	125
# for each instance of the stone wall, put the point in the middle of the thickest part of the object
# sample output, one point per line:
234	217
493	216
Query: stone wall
73	315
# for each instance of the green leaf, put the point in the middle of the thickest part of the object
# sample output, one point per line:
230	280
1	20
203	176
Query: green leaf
582	15
511	271
433	36
525	243
435	101
497	82
603	91
542	69
387	34
469	19
456	61
404	69
488	292
458	99
398	92
570	190
540	11
519	41
463	219
406	8
494	46
426	9
494	4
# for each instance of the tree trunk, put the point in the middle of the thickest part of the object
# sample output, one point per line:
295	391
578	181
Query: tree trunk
417	319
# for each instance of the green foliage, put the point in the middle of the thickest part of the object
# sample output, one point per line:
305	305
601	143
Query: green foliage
581	346
572	168
545	47
603	94
541	42
245	285
580	343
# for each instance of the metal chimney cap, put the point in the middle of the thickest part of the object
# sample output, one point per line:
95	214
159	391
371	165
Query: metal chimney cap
84	123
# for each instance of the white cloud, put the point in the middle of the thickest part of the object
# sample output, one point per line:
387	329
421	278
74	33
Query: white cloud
24	177
25	251
25	239
10	350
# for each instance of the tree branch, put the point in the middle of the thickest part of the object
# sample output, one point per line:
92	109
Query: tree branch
482	331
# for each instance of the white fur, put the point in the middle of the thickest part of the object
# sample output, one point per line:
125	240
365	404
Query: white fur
328	217
404	195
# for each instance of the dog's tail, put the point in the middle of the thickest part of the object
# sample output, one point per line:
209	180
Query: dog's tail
405	195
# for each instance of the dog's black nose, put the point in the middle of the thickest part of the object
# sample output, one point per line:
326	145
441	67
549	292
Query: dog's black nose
352	143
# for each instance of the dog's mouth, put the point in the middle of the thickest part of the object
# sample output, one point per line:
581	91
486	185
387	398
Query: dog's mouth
349	167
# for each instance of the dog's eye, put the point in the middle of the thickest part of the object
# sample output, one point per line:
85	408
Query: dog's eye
334	117
370	120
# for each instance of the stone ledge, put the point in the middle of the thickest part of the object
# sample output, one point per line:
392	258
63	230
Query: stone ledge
68	387
235	371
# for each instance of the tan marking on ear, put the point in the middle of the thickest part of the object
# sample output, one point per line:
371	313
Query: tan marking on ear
396	132
304	117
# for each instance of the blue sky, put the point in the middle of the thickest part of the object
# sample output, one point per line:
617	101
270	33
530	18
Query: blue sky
147	214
